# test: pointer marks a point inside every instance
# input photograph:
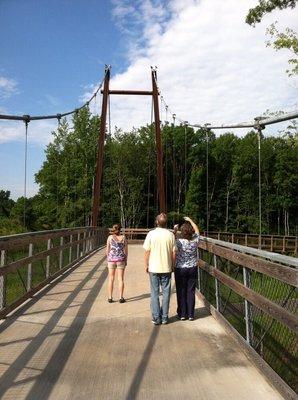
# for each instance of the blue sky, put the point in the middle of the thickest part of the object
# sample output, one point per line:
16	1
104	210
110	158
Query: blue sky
54	48
212	67
51	50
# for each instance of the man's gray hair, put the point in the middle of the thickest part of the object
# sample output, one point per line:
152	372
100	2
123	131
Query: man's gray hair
161	220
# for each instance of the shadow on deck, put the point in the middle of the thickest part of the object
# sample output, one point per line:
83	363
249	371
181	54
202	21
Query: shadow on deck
69	343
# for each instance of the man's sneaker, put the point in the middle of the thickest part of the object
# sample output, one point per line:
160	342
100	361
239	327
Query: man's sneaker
155	322
164	322
190	318
182	319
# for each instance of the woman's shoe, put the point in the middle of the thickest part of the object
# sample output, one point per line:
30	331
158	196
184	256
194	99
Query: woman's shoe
110	300
122	300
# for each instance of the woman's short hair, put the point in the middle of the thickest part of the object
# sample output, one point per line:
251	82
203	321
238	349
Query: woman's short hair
186	230
116	229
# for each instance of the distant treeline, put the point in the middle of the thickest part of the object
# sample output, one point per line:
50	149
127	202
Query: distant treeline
129	189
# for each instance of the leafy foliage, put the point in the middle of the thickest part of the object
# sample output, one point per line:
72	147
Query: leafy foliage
256	14
285	40
279	40
129	192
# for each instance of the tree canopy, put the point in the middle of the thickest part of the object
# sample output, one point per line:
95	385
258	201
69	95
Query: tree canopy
129	186
256	14
278	40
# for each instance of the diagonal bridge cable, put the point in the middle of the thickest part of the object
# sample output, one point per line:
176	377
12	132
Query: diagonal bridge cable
28	118
263	121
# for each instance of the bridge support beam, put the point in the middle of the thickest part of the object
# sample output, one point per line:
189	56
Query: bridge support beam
100	154
101	141
160	175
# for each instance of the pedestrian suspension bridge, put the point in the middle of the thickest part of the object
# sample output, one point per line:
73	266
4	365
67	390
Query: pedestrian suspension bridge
61	339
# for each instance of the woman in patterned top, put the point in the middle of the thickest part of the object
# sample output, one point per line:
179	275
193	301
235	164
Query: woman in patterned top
186	269
117	252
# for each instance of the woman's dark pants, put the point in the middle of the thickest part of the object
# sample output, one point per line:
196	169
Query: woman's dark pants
186	281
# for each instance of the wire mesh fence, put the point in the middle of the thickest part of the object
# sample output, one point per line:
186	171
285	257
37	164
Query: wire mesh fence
273	340
30	261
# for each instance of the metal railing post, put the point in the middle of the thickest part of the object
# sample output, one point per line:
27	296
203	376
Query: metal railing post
284	244
89	242
61	253
49	244
217	285
29	269
248	308
85	243
70	250
199	273
2	281
78	245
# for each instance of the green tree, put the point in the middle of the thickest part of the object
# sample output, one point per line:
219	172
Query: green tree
279	40
256	14
6	203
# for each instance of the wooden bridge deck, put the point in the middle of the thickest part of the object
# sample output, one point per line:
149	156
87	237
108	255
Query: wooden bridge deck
71	344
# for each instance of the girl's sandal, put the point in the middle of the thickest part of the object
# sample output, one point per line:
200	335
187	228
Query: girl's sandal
110	300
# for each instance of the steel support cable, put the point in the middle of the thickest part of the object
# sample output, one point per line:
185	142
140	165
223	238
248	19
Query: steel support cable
168	109
173	155
54	116
260	120
149	165
185	155
263	121
25	169
259	129
207	179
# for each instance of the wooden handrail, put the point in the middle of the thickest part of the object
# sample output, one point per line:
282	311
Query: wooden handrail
80	243
274	310
281	272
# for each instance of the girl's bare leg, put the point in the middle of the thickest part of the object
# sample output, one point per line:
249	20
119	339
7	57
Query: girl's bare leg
111	281
120	276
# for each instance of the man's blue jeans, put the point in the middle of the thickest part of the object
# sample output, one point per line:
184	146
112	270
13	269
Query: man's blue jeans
160	313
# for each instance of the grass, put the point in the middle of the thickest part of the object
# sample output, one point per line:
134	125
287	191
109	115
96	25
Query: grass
279	345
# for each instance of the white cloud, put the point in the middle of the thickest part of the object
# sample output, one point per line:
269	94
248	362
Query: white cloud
8	87
39	132
212	66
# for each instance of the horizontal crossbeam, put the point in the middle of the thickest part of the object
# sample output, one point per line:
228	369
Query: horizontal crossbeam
132	92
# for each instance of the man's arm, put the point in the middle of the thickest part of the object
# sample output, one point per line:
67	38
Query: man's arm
147	255
173	260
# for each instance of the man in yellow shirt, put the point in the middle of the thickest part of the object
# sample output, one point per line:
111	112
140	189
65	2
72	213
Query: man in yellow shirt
160	250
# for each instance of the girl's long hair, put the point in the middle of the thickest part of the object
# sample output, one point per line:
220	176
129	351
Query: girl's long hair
116	229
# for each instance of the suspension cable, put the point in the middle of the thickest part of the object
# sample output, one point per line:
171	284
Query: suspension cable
58	115
149	165
265	120
185	166
207	178
27	120
174	165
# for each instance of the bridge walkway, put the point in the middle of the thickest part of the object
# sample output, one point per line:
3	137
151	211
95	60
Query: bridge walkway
70	343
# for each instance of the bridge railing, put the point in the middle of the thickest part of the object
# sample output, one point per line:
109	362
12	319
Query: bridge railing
254	293
30	261
274	243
